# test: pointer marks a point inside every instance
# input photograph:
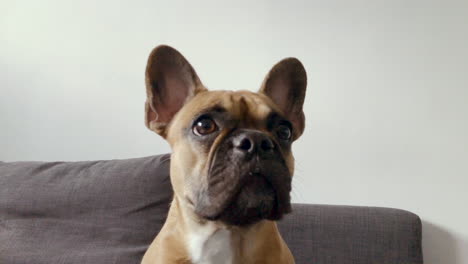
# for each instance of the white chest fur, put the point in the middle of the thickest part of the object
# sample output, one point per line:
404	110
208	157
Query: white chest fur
210	245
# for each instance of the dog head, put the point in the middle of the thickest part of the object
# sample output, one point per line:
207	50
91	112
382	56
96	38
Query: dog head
231	159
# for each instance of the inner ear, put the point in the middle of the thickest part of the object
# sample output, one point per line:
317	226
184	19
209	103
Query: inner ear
170	82
169	92
285	85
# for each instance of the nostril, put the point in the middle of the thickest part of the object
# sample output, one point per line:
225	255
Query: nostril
267	145
245	144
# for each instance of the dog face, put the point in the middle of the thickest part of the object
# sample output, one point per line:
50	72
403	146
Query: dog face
231	159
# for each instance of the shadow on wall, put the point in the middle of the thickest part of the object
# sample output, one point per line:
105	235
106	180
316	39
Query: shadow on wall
439	246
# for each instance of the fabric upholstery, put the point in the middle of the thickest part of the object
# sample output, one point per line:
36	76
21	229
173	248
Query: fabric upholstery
93	212
327	234
101	212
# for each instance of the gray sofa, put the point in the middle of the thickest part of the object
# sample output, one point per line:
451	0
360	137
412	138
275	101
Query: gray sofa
110	211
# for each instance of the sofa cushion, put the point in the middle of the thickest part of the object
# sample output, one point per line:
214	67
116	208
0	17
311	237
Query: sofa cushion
82	212
337	234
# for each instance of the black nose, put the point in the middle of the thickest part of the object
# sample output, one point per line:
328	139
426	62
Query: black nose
251	142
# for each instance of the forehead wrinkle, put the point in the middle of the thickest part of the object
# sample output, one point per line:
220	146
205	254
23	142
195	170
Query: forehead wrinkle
250	109
243	109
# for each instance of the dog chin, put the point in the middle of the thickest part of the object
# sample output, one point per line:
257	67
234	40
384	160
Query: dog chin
256	200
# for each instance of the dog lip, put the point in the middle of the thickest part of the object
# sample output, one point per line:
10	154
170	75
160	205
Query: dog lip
255	172
256	169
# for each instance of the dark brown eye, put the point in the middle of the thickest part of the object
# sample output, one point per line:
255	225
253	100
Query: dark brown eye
204	126
284	132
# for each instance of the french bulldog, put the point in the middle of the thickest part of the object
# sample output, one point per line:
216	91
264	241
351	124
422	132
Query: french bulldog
231	163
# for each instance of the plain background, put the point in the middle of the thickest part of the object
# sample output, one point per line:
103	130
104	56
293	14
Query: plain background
386	107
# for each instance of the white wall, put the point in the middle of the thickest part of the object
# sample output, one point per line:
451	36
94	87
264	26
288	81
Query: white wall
386	109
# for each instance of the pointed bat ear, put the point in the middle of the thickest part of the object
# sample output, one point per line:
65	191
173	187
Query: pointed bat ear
286	84
170	82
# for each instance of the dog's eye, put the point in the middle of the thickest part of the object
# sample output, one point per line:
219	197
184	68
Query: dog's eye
284	132
204	126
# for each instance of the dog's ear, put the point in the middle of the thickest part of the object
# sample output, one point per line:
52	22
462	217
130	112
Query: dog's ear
286	84
170	82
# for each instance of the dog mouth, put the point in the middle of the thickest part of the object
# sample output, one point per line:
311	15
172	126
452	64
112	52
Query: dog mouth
242	198
256	199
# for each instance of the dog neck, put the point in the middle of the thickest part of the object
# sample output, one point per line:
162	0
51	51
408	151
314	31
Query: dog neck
210	244
207	242
185	238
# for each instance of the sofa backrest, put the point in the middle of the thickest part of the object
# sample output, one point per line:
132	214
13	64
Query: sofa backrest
336	234
110	211
82	212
